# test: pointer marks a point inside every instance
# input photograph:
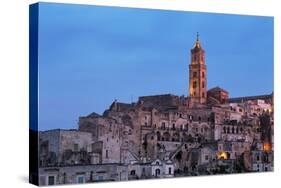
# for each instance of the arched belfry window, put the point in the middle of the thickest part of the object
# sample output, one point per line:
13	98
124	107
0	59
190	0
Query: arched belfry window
194	74
194	84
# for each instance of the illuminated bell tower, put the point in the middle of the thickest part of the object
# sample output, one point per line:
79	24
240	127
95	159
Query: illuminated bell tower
197	74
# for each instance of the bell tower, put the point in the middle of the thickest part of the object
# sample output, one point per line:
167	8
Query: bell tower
197	74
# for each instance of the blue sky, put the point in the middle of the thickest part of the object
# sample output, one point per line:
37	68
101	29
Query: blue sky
90	55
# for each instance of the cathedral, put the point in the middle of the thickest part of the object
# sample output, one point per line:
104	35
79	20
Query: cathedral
167	135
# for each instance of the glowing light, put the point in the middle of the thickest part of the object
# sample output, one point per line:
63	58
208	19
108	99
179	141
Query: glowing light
269	110
266	147
222	155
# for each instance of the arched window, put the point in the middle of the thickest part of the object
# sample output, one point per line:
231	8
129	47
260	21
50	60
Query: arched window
194	74
258	157
228	130
133	172
194	84
157	172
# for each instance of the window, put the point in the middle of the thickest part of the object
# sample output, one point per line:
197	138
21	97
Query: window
106	153
51	180
157	172
195	58
194	84
170	170
194	74
194	93
80	179
203	84
75	147
203	94
206	157
163	125
133	172
203	74
99	178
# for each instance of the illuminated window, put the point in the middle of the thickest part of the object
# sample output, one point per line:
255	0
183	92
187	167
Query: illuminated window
194	84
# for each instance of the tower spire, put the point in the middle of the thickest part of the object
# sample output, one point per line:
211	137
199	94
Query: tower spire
197	43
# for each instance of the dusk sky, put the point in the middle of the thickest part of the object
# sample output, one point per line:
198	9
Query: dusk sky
90	55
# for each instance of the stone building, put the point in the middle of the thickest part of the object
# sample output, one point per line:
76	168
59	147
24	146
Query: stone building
165	135
65	147
217	95
77	174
